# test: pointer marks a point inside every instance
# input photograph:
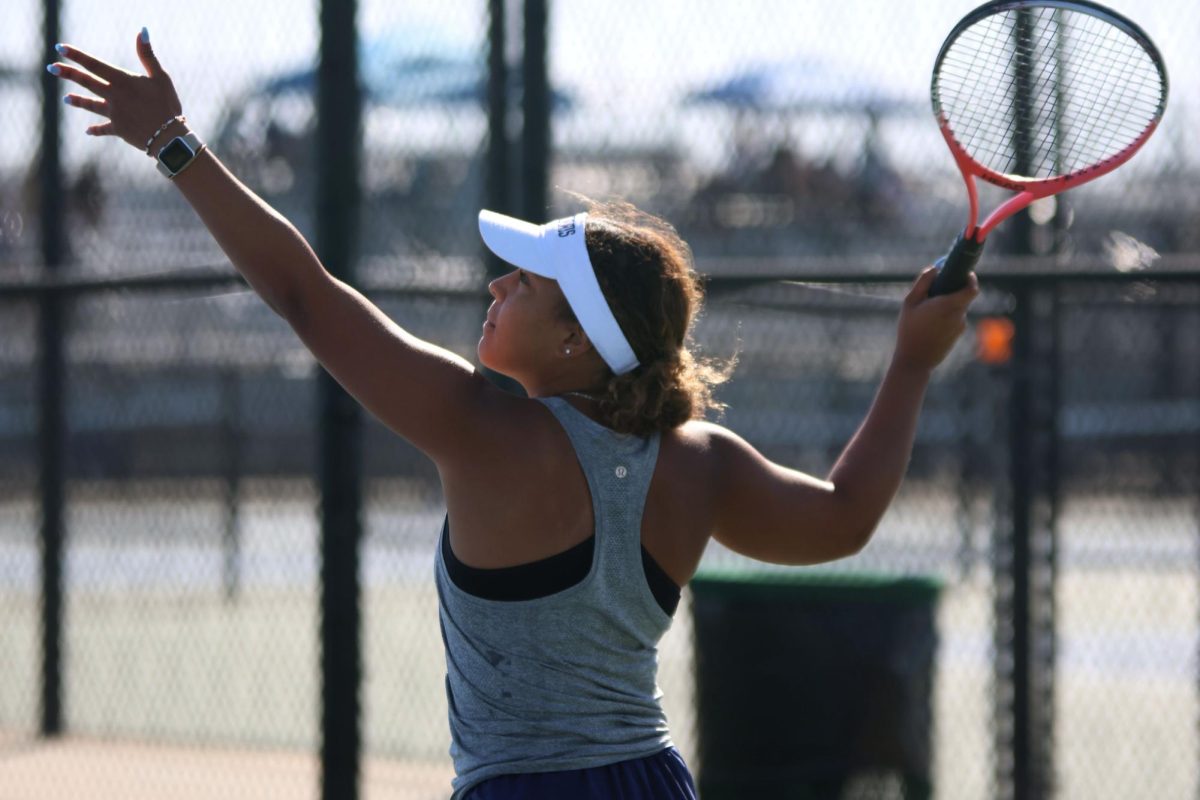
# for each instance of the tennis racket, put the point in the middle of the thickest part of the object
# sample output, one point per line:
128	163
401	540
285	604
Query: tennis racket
1039	97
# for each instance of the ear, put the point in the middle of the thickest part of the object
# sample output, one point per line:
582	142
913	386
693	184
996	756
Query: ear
575	339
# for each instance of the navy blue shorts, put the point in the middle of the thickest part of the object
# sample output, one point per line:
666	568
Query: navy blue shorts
662	776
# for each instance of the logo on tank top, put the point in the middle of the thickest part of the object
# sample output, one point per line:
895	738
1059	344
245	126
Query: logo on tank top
566	228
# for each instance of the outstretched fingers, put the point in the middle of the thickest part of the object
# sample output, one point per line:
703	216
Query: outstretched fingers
84	79
103	69
87	104
105	129
135	104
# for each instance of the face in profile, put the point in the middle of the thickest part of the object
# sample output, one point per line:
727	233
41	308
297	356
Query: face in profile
524	327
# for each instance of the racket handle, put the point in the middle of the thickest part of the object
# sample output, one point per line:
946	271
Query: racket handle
954	267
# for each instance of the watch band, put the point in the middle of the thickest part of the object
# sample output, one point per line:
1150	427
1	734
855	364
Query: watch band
179	154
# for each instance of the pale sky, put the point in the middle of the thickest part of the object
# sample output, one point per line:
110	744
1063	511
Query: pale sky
628	61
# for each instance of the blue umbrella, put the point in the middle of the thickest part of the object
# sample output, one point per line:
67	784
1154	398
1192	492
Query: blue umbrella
397	74
801	84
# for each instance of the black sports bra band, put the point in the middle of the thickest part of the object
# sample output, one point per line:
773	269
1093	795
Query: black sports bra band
548	576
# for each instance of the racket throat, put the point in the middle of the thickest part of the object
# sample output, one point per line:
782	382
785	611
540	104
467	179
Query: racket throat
1007	209
971	230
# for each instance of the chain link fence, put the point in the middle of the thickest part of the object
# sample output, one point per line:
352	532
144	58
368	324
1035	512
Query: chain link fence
792	145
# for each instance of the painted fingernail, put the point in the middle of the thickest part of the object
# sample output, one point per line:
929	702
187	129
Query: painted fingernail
67	100
61	48
144	36
54	69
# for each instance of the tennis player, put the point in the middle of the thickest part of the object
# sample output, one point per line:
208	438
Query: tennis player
574	514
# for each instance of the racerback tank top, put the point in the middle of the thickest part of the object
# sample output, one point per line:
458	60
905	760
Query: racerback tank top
566	681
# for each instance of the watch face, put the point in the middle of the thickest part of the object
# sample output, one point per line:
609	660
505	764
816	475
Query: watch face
176	155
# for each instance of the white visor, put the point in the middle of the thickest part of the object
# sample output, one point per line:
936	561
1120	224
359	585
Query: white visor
557	250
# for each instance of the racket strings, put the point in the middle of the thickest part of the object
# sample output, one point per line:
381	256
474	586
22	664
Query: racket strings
1047	94
1126	107
1041	73
1042	81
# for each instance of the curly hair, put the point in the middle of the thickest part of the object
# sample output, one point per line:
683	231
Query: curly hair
646	273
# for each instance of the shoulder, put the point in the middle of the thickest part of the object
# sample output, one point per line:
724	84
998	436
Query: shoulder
701	439
722	459
503	428
522	423
703	449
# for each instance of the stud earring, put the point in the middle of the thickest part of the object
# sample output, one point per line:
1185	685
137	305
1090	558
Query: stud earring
568	351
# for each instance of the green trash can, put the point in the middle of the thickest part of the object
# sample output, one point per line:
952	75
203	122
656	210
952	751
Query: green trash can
808	685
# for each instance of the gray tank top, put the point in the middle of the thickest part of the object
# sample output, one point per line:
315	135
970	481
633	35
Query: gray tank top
566	681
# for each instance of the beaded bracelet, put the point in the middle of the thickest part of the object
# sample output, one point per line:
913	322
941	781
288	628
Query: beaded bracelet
180	119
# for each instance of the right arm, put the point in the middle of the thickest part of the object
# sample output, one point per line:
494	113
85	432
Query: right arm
430	396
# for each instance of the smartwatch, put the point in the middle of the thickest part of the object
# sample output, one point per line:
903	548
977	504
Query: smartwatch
179	153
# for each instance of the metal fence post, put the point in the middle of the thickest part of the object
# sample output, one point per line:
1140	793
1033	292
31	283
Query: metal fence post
1032	439
1027	554
339	148
496	188
51	388
498	191
535	108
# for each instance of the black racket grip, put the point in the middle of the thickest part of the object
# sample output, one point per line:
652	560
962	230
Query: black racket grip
955	266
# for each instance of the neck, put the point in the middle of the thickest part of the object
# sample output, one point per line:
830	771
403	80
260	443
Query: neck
576	385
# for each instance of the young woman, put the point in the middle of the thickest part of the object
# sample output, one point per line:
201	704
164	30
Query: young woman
575	514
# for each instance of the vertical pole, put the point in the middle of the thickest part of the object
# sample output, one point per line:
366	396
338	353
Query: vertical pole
1028	569
1192	480
1062	56
535	108
496	187
1049	360
339	146
1021	502
1029	454
1024	129
51	388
